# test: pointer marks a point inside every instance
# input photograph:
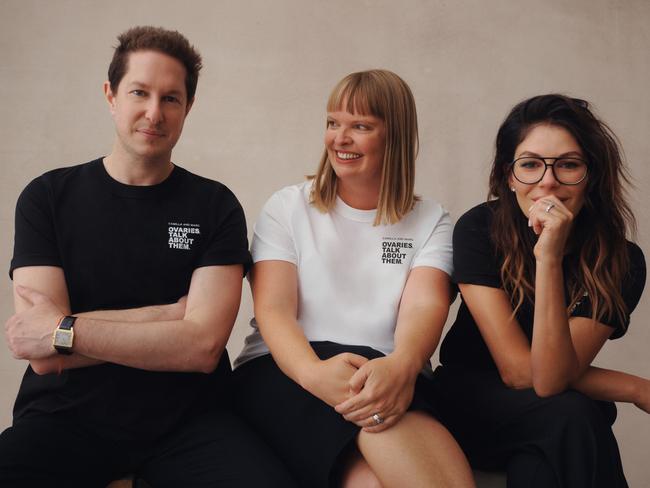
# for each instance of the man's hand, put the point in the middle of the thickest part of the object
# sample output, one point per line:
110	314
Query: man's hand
29	333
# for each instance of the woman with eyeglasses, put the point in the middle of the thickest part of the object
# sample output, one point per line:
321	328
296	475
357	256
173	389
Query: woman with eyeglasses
351	291
546	276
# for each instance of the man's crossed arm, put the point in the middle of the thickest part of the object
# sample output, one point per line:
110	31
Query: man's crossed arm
186	336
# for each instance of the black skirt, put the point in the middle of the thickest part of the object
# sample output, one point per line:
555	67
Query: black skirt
305	432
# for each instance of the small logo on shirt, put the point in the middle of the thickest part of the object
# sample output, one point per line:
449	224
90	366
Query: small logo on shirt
394	250
182	236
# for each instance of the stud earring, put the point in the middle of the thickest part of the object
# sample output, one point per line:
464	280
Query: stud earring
512	188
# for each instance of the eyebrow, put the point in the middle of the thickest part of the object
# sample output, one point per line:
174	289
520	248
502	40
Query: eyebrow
569	154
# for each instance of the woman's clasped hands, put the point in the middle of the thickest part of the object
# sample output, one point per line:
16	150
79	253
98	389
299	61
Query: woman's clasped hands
329	379
381	391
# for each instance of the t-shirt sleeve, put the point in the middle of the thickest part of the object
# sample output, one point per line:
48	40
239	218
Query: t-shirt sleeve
272	237
35	242
632	289
475	260
228	243
436	251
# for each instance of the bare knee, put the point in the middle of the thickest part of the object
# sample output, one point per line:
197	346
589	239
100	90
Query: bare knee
357	473
417	451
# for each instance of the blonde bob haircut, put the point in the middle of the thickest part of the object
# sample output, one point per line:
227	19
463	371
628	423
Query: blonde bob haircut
384	95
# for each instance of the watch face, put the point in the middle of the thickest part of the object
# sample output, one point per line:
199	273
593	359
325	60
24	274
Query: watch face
63	338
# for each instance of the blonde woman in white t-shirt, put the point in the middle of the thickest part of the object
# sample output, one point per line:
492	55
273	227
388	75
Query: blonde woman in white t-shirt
351	290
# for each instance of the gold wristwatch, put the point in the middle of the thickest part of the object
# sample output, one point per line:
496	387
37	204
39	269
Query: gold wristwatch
64	335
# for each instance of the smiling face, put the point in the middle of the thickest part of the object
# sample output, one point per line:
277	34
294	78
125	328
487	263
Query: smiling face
549	141
355	147
149	106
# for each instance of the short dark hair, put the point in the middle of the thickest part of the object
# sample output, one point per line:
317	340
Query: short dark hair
148	38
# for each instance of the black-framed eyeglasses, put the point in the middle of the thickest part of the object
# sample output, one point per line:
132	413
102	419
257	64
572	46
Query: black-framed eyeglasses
567	171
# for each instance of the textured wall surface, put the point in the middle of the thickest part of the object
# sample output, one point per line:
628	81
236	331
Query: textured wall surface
259	115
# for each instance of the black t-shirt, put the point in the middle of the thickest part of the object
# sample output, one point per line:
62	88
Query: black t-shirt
477	262
123	246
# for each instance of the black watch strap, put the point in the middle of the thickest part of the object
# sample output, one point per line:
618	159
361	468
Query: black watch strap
67	322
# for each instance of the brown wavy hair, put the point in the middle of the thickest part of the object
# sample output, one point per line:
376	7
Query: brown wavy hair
382	94
599	235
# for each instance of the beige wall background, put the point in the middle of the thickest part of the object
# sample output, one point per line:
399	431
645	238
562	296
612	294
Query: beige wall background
269	66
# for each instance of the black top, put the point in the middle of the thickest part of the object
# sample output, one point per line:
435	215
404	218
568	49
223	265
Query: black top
476	262
123	246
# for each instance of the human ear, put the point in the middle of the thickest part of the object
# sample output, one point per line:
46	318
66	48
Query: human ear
110	96
189	106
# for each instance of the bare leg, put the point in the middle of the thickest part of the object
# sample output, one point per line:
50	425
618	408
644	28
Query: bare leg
357	472
416	452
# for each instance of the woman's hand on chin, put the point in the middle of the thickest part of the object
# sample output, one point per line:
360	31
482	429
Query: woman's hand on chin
551	221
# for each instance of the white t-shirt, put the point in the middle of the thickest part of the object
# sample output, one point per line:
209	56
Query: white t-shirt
350	273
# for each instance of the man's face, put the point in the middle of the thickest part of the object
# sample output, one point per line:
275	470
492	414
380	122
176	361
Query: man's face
150	106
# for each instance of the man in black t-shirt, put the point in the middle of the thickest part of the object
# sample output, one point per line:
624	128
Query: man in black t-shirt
127	276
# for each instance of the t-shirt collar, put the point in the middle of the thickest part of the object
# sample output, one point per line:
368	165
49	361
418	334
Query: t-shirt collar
351	213
137	191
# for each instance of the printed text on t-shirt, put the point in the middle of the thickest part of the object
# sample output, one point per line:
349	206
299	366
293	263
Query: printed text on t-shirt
394	250
182	236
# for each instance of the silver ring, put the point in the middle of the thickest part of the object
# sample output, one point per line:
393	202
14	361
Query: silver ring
377	419
550	206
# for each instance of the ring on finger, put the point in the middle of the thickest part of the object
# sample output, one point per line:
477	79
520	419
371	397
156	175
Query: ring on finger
550	207
377	419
